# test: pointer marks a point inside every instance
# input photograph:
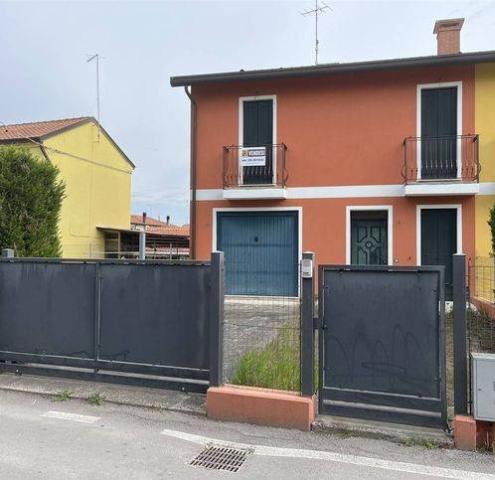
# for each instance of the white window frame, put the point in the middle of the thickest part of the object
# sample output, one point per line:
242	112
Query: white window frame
429	86
436	206
242	100
299	211
390	227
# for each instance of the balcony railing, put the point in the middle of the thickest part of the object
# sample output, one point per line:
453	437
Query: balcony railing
257	166
439	159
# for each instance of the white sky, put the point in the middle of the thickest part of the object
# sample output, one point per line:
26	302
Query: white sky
44	74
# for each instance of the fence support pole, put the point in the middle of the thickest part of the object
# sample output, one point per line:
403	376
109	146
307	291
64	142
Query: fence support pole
307	330
142	245
460	332
216	318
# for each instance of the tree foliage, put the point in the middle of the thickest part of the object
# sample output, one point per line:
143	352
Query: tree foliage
31	195
491	224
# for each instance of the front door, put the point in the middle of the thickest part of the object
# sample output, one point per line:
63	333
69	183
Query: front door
438	133
439	241
257	130
369	244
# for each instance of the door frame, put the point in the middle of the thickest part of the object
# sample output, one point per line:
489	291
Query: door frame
299	211
390	222
429	86
274	131
448	206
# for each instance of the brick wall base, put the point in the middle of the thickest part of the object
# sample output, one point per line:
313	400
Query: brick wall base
261	407
471	434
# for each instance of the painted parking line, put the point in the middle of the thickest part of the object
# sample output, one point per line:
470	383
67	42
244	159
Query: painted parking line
265	451
74	417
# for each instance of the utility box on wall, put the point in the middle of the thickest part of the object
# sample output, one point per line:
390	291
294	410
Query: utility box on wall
483	368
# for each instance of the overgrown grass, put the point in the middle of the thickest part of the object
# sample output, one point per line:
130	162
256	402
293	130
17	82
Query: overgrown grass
276	365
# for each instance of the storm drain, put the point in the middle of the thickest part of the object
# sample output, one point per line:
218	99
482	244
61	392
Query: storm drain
220	458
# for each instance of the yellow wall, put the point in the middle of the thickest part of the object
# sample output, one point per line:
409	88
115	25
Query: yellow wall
485	127
96	195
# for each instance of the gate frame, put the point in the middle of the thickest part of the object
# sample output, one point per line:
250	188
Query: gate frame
441	329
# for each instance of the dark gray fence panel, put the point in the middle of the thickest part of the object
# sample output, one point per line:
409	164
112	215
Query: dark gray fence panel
155	314
47	308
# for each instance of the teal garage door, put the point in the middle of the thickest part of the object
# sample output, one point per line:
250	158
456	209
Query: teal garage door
261	252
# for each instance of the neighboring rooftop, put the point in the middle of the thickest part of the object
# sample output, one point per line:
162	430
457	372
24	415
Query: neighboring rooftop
333	68
36	130
157	226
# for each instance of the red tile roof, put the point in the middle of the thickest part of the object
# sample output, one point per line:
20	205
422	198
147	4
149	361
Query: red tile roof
22	131
153	225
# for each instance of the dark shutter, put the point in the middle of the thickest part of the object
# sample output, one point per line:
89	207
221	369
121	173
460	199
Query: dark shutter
258	132
258	123
439	241
439	133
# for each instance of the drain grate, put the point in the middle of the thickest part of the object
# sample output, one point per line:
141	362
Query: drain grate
220	458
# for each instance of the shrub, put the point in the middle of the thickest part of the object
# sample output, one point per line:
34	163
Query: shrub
30	199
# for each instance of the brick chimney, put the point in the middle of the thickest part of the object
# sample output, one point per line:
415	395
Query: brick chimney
448	36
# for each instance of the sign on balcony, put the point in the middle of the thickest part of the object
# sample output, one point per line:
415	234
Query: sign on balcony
253	157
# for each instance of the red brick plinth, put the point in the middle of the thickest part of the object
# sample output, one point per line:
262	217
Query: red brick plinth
260	406
471	434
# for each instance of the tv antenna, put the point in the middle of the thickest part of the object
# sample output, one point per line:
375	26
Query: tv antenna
97	57
320	9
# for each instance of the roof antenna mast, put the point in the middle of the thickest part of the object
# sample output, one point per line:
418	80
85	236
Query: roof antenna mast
97	57
320	9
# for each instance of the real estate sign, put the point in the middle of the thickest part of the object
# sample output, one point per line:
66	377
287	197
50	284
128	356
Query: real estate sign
253	157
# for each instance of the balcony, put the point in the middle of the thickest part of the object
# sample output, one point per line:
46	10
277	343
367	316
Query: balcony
447	165
254	173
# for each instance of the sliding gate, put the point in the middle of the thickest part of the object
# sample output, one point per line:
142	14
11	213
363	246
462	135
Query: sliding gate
382	351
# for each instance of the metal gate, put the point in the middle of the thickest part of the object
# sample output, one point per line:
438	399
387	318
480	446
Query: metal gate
382	347
140	322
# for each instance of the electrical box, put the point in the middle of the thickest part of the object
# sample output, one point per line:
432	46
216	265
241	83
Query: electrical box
483	393
307	268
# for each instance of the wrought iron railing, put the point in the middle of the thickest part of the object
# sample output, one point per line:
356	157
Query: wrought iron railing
254	166
450	157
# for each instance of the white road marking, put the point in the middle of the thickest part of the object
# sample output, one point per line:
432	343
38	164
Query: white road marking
71	416
265	451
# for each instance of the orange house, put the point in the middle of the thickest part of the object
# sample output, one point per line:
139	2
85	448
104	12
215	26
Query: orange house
365	163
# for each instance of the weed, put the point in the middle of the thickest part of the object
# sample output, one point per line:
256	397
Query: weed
63	396
96	399
420	442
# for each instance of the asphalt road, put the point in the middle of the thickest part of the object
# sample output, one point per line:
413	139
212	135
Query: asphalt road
44	439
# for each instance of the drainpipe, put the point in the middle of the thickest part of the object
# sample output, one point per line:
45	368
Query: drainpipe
192	205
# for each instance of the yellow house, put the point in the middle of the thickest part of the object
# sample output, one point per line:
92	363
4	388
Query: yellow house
485	127
97	176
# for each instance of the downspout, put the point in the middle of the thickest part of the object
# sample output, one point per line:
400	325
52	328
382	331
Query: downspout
192	205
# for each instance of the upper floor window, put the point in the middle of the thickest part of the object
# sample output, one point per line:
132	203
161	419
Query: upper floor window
439	124
257	129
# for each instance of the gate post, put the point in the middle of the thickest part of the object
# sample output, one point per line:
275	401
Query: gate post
307	330
216	318
459	331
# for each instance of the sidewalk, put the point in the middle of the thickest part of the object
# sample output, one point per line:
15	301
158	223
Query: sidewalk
113	393
194	403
